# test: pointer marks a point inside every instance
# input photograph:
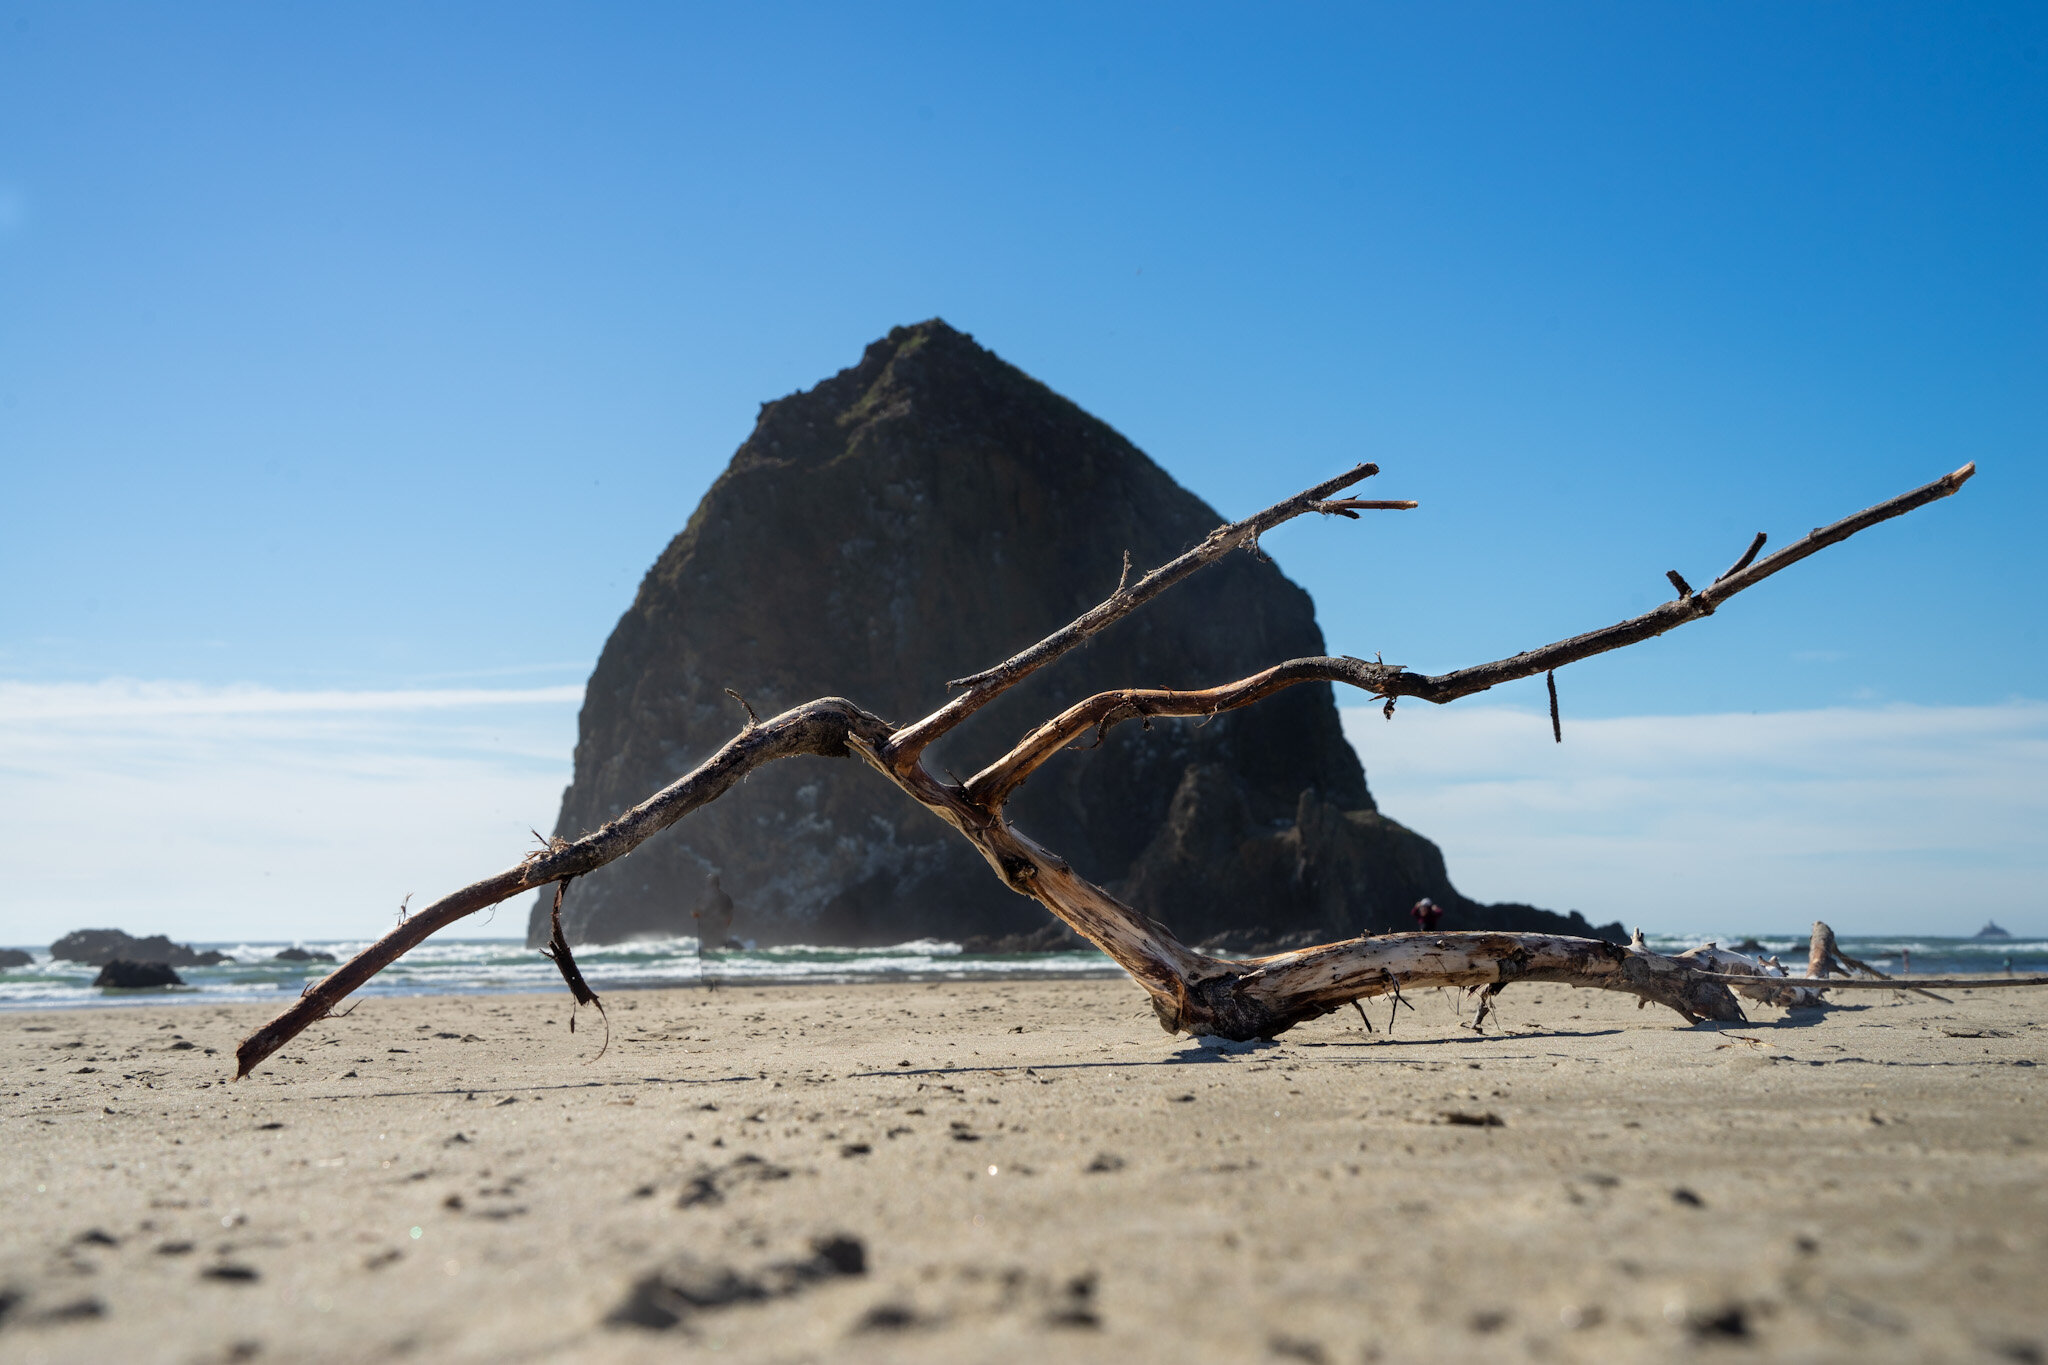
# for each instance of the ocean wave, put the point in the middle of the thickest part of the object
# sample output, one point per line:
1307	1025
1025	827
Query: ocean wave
488	966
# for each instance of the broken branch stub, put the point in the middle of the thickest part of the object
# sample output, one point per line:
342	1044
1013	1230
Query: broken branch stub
1190	991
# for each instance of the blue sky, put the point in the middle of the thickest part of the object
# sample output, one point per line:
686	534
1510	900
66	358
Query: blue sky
379	350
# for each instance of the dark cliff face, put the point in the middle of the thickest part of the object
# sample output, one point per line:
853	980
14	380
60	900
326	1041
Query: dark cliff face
913	519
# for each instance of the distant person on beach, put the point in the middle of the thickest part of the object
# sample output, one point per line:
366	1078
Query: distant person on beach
714	918
1426	914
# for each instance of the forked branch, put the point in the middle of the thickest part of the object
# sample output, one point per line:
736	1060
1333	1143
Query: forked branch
994	784
984	687
1190	991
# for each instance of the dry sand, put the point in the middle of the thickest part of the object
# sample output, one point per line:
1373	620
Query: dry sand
1030	1170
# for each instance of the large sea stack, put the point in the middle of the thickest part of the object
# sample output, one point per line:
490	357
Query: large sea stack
914	519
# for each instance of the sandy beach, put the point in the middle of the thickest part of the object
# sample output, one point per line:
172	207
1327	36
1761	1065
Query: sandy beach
989	1171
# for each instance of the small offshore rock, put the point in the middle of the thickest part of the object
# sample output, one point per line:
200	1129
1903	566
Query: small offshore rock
122	974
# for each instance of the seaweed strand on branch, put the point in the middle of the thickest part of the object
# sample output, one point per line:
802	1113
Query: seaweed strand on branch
565	962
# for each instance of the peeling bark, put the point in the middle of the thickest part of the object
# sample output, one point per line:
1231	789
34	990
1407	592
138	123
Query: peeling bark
1190	991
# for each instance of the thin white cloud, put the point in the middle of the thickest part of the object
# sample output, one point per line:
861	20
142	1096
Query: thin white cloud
236	813
127	697
1881	819
224	813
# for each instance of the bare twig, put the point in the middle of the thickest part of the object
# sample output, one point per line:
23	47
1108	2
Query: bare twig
752	719
1350	507
1747	555
1556	724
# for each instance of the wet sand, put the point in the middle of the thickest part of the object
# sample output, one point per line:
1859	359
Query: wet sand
995	1171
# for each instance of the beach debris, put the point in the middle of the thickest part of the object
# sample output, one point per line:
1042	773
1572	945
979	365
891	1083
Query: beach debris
956	1294
1824	957
76	1310
889	1317
565	962
1304	1349
686	1286
1730	962
711	1184
1190	991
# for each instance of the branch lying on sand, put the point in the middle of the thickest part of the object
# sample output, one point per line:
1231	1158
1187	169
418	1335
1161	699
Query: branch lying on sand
819	727
1191	992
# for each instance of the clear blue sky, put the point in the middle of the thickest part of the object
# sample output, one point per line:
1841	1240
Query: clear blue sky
369	345
385	346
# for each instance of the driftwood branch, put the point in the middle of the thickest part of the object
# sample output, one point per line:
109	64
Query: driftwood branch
1190	991
1947	983
819	727
984	687
993	784
1823	956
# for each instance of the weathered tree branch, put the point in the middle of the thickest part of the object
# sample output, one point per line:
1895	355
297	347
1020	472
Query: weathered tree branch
1190	991
1824	956
1843	983
819	727
984	687
993	784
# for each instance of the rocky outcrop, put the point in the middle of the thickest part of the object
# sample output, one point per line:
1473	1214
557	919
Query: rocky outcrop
297	954
912	519
13	957
124	975
97	947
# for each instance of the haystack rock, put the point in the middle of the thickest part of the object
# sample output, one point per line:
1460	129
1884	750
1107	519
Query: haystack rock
915	518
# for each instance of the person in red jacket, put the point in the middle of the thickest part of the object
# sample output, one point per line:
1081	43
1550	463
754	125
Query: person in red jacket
1426	914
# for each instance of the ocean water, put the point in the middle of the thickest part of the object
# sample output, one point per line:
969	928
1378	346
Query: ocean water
472	966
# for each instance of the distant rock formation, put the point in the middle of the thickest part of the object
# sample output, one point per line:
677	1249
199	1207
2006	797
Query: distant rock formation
296	954
97	947
136	976
1991	930
13	957
913	519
